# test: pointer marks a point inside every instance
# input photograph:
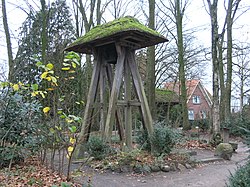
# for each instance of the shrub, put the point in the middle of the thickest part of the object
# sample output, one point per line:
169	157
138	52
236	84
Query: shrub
237	124
203	124
97	148
216	139
241	178
162	140
18	127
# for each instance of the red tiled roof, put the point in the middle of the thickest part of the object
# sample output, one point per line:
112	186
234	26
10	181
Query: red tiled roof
175	86
190	86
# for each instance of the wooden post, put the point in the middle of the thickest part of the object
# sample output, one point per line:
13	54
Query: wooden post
91	98
102	99
115	90
117	111
146	115
128	113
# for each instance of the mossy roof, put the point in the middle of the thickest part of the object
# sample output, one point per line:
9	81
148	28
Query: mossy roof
166	96
126	29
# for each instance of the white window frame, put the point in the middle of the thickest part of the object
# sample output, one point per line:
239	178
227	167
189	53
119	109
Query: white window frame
203	114
196	99
191	114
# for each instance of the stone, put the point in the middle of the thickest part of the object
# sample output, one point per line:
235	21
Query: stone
146	169
138	168
188	166
165	168
181	167
126	168
224	150
173	167
216	139
155	168
141	168
203	141
234	145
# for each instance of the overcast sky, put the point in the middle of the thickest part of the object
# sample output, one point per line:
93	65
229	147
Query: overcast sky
196	17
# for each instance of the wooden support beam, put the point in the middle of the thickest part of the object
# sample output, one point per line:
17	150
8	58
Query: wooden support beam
128	112
91	98
102	99
120	126
128	103
115	90
117	112
146	115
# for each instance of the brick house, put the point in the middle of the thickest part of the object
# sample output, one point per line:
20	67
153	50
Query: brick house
199	100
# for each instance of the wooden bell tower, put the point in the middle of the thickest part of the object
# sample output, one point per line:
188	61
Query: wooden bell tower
113	45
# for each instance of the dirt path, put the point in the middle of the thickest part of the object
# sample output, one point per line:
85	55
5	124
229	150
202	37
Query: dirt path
207	175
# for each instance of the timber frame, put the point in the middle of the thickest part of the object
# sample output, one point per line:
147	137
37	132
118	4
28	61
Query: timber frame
116	49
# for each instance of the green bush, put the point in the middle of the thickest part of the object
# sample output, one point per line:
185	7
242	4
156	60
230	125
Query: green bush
203	124
97	148
237	124
162	140
241	178
19	119
216	139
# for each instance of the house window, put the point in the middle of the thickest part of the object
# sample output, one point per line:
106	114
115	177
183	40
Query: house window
191	114
196	99
203	114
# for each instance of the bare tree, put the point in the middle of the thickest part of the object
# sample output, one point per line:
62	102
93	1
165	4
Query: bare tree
213	6
175	11
231	12
241	72
8	41
119	8
221	83
150	76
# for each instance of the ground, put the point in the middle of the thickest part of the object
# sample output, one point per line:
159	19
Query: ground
212	174
206	175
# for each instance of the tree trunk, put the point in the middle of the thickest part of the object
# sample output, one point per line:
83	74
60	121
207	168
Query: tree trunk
150	81
215	62
8	41
229	61
222	80
183	92
44	30
98	12
241	91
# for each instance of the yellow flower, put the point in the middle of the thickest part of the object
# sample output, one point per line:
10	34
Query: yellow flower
70	149
72	140
50	66
15	87
44	75
46	110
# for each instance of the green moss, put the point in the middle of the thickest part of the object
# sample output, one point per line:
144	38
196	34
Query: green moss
164	92
113	27
163	95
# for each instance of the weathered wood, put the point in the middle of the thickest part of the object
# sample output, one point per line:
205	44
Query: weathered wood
120	126
147	118
115	90
117	112
91	97
128	103
128	112
102	99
